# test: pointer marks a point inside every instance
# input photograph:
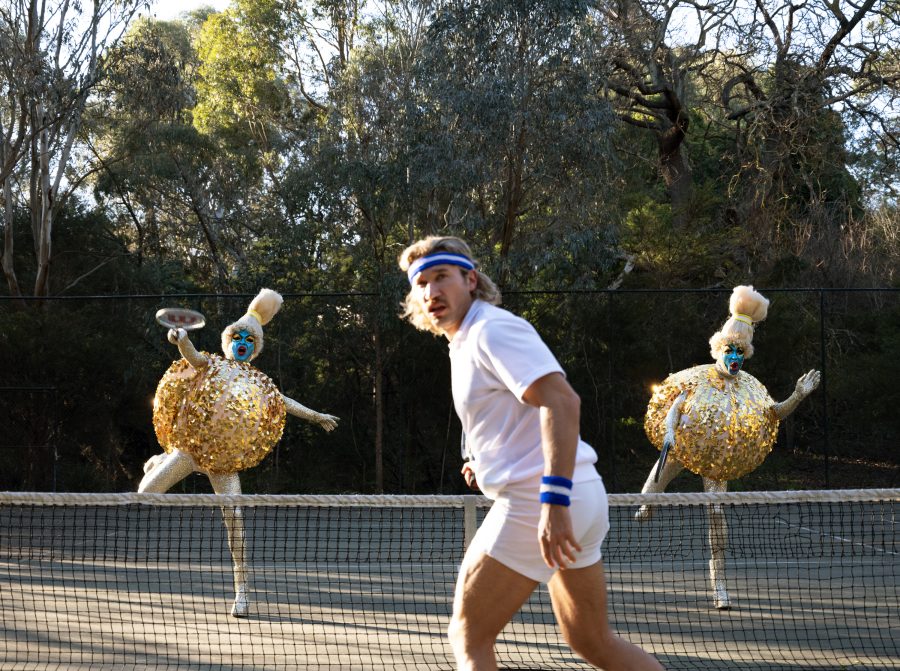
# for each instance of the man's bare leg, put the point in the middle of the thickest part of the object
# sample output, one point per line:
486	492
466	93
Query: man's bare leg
579	601
488	594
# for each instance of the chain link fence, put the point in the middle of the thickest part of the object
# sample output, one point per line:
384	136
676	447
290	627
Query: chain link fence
79	375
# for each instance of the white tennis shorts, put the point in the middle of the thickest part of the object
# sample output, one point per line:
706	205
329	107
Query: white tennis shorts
509	532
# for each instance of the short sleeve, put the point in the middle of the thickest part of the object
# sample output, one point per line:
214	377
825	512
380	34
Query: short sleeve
515	353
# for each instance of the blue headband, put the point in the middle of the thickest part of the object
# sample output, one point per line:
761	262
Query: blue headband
438	259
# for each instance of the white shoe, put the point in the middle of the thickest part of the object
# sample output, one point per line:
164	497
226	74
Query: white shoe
153	462
241	606
721	598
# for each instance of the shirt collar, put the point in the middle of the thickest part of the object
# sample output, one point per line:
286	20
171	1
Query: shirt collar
474	309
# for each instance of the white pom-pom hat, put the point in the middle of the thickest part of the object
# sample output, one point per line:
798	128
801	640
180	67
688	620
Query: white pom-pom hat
747	307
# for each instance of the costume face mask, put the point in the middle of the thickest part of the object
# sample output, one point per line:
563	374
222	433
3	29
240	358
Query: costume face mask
733	358
243	344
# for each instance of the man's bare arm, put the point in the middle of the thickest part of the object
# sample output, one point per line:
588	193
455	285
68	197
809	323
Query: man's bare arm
560	409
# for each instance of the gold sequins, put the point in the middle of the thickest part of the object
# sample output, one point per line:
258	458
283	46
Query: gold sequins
727	426
227	416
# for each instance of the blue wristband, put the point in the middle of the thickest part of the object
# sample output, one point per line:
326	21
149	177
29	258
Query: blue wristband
556	490
556	481
555	499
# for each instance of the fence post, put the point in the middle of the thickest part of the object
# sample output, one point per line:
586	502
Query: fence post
823	362
610	403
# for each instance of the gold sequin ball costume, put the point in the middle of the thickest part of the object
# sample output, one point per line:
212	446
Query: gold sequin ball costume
718	421
220	415
727	425
227	416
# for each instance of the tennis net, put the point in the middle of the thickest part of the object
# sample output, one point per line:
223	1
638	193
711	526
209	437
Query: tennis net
146	581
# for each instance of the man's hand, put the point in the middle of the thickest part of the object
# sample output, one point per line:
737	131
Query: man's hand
468	474
558	544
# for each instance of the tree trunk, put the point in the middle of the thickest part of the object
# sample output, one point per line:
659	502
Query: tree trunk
513	203
45	218
676	173
200	205
674	166
9	270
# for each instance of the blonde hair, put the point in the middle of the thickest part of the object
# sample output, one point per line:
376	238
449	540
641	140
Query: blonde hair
746	305
262	308
485	289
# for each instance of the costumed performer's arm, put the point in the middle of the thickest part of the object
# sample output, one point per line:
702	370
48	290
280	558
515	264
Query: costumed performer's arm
327	422
186	347
672	418
805	386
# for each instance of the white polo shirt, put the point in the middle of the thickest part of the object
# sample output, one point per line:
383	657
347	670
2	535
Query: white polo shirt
495	356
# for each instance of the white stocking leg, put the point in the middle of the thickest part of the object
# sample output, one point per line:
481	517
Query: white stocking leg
234	525
718	544
164	471
671	469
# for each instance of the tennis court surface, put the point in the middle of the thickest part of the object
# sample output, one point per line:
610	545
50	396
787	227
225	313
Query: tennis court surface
129	581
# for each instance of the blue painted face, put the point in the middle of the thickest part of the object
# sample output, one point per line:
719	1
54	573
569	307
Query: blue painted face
733	358
243	344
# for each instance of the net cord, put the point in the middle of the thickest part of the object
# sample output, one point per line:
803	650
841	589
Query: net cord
434	501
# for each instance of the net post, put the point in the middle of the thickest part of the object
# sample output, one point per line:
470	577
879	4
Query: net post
470	520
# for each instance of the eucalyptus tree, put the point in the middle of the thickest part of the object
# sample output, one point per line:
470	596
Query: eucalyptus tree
789	80
176	170
657	52
520	157
812	73
148	88
420	130
272	64
354	192
50	54
317	93
264	87
792	95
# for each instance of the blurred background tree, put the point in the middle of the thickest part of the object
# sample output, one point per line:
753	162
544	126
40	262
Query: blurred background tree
593	153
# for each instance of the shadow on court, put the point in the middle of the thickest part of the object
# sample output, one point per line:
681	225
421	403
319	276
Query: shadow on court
150	587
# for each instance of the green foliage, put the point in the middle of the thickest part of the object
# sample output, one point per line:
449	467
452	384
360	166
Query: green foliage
238	90
666	256
302	145
147	77
520	135
173	190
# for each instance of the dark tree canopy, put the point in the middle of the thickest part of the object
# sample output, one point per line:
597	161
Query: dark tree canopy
589	151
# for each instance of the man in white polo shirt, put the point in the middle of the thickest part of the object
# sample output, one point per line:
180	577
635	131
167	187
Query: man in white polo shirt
521	421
